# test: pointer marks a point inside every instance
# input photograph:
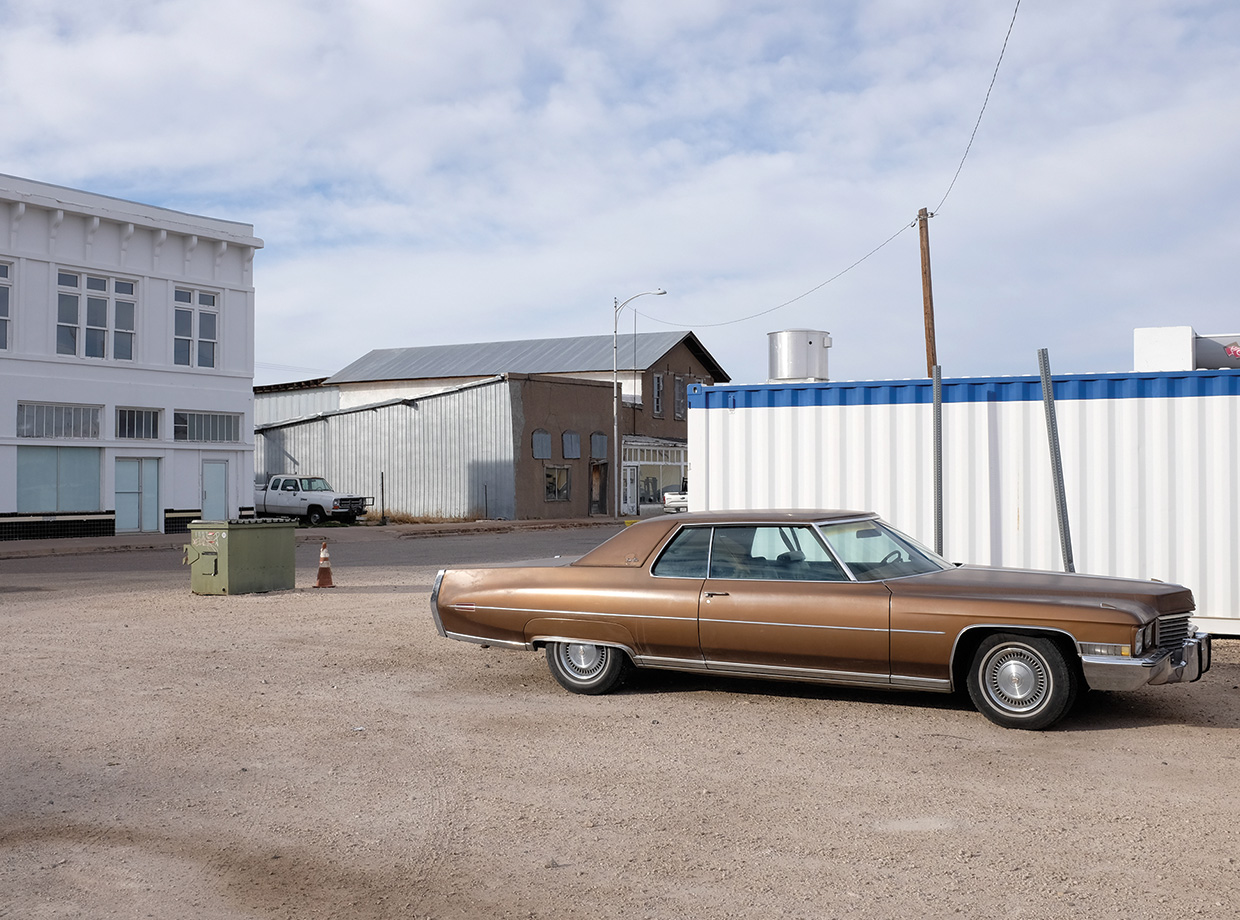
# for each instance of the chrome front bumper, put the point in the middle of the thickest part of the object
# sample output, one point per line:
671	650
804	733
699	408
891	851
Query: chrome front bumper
1187	664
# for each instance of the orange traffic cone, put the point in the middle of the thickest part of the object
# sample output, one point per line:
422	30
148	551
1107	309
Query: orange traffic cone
325	569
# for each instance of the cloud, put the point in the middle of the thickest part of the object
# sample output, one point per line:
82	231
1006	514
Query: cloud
453	171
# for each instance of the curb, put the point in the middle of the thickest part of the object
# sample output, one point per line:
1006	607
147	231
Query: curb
357	533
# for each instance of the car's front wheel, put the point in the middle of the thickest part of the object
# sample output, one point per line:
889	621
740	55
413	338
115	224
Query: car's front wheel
583	667
1022	681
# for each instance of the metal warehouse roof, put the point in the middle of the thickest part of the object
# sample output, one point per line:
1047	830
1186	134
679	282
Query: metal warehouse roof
584	354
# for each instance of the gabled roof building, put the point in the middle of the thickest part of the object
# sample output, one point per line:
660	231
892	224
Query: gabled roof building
519	429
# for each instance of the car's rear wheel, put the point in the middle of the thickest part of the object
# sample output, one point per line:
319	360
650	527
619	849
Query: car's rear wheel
1022	681
583	667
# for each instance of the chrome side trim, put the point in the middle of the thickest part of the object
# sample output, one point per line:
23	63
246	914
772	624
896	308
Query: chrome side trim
792	625
816	676
499	643
574	614
539	641
789	673
657	663
933	684
435	603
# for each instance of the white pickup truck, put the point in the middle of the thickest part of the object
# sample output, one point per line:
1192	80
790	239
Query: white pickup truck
675	499
308	497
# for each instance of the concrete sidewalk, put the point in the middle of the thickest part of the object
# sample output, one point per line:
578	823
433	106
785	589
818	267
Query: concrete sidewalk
357	533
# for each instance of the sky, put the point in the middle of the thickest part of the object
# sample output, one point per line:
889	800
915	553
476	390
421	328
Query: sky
450	171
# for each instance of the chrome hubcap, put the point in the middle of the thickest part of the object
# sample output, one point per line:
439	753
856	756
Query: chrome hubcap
1016	679
582	660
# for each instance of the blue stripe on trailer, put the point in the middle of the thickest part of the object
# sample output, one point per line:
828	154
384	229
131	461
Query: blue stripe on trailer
1176	384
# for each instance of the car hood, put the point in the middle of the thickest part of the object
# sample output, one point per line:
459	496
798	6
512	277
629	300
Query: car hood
974	581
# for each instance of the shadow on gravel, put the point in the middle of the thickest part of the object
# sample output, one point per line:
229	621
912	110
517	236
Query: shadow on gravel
643	683
1094	711
1097	710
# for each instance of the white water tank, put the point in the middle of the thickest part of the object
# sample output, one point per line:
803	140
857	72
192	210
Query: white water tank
798	356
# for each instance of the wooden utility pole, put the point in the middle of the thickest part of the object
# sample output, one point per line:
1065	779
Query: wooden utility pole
927	293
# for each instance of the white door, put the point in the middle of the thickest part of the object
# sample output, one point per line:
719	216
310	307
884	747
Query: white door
137	495
628	490
215	490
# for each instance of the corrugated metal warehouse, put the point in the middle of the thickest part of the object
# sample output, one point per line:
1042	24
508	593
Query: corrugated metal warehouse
417	445
1149	462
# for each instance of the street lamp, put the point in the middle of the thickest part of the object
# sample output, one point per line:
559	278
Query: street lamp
615	391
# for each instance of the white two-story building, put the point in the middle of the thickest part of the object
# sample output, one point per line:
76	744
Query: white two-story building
126	365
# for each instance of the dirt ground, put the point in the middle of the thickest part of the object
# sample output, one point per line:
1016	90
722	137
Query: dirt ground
324	754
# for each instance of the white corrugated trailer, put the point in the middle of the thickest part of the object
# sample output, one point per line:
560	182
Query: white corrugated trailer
1151	467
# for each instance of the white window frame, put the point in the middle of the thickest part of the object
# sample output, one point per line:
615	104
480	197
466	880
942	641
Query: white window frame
89	330
55	421
6	305
656	395
206	427
200	336
145	422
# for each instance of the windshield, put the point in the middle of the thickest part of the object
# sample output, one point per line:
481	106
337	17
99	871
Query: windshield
874	551
315	484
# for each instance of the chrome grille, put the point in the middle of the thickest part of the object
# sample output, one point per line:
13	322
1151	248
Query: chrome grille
1172	632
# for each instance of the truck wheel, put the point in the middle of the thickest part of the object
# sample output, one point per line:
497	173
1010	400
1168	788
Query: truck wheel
314	516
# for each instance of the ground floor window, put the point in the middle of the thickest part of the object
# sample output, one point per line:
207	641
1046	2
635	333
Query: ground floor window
58	479
559	483
205	426
39	420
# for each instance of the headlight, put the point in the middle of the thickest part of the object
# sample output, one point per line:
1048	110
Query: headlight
1138	644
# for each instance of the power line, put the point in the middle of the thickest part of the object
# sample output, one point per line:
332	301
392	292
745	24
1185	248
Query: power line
994	76
794	299
985	101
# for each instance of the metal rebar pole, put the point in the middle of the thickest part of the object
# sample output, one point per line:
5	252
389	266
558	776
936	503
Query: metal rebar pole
1052	436
938	459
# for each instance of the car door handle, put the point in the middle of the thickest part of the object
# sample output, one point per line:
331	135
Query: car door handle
715	594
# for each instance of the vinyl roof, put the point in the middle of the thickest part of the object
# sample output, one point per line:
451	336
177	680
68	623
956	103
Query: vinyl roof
584	354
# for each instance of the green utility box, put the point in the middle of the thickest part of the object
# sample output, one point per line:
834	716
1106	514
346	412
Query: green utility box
241	556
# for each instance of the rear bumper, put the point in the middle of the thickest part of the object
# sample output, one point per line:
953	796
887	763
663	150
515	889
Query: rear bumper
1183	665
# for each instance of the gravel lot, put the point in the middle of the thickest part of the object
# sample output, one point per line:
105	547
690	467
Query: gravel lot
323	753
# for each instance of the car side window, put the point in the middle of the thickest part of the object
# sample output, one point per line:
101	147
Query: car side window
686	554
290	485
772	553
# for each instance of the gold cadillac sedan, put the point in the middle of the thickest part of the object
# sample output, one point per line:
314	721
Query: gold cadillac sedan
834	597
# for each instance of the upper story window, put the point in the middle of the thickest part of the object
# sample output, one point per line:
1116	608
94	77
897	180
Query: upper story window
541	444
5	283
681	397
656	396
95	316
598	446
570	443
195	328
